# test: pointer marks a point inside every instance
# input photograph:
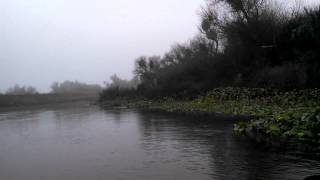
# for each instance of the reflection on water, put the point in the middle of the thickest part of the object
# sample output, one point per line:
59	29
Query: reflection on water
84	142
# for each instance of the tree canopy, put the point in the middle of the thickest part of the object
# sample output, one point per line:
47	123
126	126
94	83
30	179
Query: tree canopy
247	43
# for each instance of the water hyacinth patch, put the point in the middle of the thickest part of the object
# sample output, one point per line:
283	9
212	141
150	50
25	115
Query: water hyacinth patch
274	113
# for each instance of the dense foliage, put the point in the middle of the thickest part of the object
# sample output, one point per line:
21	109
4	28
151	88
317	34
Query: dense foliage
119	88
248	44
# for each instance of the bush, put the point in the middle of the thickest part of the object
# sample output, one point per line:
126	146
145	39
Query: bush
288	76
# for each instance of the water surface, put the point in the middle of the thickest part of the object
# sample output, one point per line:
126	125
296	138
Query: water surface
82	142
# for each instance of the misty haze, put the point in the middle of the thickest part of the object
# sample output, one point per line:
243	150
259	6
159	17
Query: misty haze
172	89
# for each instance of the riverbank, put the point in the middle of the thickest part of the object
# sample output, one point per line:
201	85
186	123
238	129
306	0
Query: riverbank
292	115
7	101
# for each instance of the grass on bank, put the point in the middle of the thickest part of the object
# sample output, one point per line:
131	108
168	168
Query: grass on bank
290	115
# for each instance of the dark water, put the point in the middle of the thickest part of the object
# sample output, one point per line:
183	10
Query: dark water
86	143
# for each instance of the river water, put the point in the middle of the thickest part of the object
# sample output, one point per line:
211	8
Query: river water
83	142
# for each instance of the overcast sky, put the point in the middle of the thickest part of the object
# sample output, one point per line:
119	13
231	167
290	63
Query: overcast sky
42	41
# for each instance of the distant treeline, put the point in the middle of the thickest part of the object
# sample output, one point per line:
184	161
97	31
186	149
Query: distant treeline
67	91
75	87
66	87
21	90
43	99
243	43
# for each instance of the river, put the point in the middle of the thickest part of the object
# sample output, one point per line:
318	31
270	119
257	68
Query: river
84	142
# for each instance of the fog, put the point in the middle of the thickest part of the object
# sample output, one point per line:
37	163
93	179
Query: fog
43	41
